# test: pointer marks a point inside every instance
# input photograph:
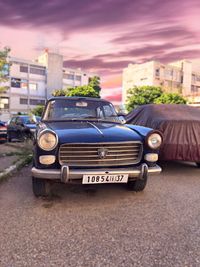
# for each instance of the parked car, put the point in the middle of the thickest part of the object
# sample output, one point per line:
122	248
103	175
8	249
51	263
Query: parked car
22	127
83	140
180	126
3	131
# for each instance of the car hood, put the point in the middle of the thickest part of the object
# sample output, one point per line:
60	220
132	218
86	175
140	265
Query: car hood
88	132
31	126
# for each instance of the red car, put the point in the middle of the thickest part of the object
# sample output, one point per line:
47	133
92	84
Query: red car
3	131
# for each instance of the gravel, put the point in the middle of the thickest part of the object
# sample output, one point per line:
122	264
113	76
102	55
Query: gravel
103	226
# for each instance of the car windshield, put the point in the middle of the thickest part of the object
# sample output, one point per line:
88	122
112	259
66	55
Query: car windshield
79	109
31	119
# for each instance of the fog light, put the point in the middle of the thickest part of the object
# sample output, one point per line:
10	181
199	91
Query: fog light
151	157
47	159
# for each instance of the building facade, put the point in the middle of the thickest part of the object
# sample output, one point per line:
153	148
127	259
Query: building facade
31	83
181	77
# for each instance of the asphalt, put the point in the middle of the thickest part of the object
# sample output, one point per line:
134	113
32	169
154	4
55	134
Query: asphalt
106	226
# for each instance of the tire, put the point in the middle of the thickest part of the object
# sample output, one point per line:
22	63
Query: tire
198	164
137	185
41	187
9	139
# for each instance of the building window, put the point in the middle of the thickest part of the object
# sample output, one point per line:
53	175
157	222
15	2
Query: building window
194	89
15	82
4	102
24	84
157	72
33	86
68	76
78	78
37	70
23	101
23	68
36	102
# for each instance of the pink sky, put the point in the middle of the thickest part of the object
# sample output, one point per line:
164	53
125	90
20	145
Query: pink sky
104	36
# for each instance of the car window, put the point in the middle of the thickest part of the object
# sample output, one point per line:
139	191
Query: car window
13	120
19	120
61	109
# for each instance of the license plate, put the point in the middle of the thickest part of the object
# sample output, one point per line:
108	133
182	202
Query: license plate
105	179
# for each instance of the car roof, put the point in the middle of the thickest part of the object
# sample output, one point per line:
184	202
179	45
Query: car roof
78	98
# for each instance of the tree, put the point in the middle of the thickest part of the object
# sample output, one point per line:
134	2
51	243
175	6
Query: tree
94	82
170	98
60	92
142	95
4	68
85	91
38	110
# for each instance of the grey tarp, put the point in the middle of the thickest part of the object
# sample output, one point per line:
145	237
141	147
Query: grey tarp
179	124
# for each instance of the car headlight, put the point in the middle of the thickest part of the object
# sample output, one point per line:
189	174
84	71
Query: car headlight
154	140
47	140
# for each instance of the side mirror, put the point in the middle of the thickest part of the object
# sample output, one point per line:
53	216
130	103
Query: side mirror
122	119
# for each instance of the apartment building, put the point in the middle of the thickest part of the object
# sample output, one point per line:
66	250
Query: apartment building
181	77
31	83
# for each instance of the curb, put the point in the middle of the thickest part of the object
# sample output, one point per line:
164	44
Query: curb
20	164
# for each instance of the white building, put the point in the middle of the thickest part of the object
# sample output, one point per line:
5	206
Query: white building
31	83
181	77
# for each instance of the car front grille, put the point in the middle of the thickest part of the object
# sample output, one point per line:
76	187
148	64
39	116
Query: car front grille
90	154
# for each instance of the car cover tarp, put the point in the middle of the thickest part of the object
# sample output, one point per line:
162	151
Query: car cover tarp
179	124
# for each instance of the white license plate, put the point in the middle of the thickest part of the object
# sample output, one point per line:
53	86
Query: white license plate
105	179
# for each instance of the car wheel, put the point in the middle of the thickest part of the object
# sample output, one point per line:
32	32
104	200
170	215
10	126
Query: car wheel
41	187
9	139
198	164
137	185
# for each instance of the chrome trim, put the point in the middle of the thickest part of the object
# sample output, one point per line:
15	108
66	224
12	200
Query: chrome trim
75	174
96	128
43	132
125	159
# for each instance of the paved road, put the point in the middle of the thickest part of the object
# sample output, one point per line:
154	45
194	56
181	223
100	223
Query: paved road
106	227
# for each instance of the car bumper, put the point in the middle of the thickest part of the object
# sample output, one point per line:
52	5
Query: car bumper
69	175
3	136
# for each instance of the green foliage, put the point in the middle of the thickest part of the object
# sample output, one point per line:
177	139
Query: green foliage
85	91
94	82
91	90
170	98
60	92
4	67
142	95
38	110
151	95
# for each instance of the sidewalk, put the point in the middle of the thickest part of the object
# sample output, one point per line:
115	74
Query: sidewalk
14	156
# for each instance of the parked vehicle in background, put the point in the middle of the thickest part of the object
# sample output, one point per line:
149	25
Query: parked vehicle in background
22	127
180	126
83	140
3	131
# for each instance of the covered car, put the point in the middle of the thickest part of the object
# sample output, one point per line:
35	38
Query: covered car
180	126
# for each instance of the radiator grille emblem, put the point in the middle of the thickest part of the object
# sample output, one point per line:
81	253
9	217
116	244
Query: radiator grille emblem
102	152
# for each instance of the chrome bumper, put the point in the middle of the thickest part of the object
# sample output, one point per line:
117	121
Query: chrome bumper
66	174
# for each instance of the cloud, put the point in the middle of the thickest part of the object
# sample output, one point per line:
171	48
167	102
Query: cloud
103	36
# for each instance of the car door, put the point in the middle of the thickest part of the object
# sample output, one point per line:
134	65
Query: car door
12	128
19	127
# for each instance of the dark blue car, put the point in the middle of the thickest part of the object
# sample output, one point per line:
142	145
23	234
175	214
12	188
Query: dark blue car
84	140
22	127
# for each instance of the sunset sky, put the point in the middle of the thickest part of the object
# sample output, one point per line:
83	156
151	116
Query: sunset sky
102	36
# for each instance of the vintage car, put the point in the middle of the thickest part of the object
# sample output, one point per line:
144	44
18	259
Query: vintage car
179	125
83	140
